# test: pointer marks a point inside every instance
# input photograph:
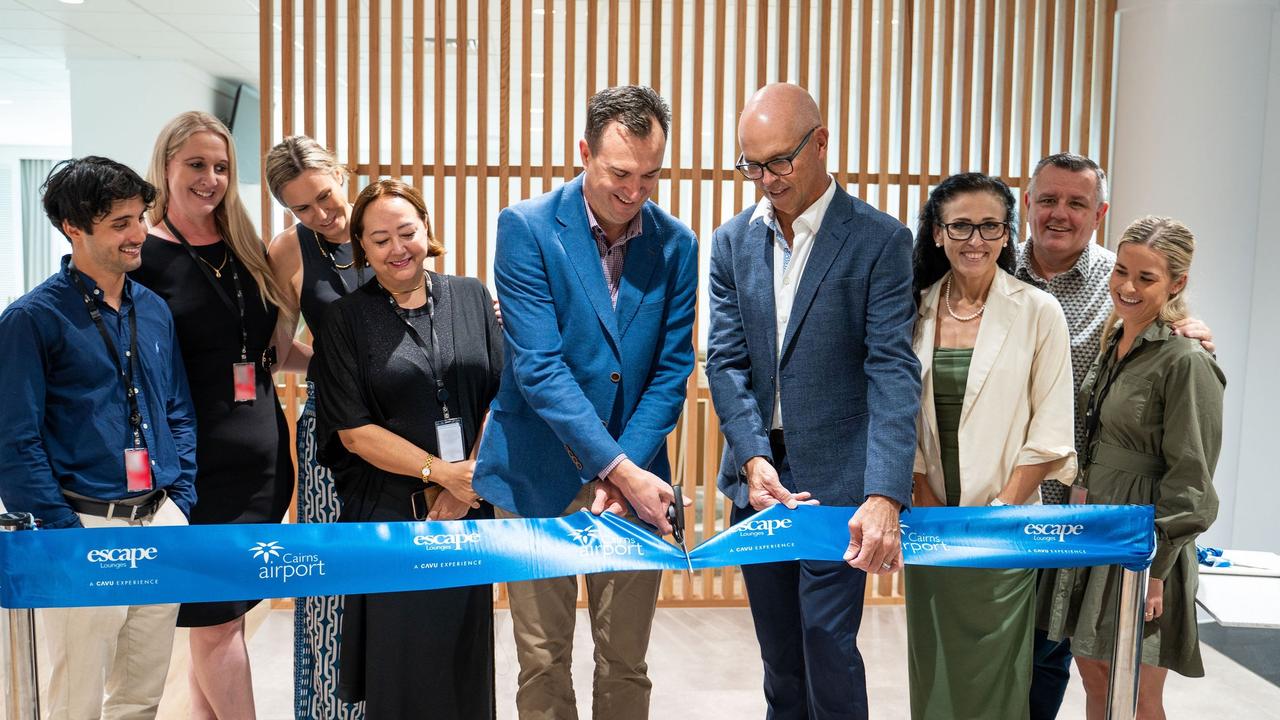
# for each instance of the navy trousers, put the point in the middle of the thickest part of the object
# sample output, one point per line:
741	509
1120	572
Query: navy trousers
806	617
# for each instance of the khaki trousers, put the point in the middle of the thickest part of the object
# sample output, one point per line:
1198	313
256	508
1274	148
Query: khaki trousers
543	613
122	651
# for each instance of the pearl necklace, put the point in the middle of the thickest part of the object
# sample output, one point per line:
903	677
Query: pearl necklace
952	313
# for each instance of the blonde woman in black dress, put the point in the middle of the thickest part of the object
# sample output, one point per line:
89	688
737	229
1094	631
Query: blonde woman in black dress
204	257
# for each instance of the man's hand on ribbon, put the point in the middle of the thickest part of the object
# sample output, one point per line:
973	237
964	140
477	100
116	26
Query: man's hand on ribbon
648	494
875	536
764	489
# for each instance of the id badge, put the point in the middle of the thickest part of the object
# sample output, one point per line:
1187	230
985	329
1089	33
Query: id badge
1079	495
246	387
137	470
449	440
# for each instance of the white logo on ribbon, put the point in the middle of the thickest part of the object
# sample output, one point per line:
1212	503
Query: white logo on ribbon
289	565
590	543
266	550
120	557
1051	532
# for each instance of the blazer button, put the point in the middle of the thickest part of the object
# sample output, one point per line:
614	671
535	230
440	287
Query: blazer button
615	376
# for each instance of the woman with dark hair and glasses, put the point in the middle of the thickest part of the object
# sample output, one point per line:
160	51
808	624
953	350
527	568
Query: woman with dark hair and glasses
996	418
406	366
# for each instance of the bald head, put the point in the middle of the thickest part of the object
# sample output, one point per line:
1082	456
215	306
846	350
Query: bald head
780	108
783	140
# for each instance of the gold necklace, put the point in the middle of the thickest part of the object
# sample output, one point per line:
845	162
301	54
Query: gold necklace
217	271
406	292
329	255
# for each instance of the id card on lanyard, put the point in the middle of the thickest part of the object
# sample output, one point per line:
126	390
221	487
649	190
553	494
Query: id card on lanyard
450	445
137	461
243	373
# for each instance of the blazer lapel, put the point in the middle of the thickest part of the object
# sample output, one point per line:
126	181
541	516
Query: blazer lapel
926	330
830	239
756	290
1002	309
579	245
637	269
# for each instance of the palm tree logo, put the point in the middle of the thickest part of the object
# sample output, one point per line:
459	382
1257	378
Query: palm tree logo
266	550
584	536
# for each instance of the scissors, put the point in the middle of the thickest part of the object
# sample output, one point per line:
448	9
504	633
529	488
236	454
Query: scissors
675	516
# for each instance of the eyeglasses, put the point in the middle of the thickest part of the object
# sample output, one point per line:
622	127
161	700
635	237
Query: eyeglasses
779	166
987	231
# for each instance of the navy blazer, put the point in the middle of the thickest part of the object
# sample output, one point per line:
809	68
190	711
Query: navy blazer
850	380
584	382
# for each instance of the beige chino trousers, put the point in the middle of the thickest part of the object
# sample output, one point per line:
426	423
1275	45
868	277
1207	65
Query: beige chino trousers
543	613
110	662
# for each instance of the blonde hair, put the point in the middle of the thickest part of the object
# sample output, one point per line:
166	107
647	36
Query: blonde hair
293	156
1175	242
230	216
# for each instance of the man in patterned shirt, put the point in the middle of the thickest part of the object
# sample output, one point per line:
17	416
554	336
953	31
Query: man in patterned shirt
1065	204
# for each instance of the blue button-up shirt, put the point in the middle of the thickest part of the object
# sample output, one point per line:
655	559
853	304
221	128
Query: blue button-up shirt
63	411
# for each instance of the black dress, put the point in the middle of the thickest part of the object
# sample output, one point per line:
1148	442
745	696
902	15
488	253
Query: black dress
243	470
411	654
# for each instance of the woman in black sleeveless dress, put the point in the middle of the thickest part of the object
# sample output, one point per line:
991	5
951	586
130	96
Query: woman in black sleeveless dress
312	261
205	259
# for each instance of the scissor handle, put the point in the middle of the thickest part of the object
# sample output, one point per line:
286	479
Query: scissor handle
675	514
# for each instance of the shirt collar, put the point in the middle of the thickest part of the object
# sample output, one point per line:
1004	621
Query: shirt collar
810	220
634	230
126	292
1081	266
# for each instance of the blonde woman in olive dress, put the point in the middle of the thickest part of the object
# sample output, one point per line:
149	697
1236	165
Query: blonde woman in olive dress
1153	404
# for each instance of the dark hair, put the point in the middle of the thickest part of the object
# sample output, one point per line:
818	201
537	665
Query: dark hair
635	106
81	191
929	262
1074	163
389	188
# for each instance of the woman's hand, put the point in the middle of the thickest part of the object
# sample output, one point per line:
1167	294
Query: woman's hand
456	479
1155	600
448	507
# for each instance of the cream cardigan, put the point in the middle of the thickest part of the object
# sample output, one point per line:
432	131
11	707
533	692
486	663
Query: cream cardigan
1018	401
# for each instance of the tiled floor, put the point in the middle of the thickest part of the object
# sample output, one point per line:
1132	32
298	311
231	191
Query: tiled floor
704	664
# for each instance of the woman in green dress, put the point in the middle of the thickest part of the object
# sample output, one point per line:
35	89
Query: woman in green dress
1153	421
995	420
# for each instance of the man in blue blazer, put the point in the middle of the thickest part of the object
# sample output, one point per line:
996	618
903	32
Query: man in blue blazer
598	286
813	376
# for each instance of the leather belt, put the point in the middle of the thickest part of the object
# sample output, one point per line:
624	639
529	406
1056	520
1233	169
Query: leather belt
132	509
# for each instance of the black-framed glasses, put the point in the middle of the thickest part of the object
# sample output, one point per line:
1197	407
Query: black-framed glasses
779	166
988	231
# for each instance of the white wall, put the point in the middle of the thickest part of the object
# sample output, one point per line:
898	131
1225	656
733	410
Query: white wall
119	106
1191	133
1253	516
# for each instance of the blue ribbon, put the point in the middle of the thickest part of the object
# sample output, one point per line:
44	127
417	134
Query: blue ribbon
134	566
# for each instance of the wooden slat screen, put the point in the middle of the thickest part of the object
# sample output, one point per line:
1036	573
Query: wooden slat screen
913	90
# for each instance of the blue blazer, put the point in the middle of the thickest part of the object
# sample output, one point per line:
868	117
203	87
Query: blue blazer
850	380
584	382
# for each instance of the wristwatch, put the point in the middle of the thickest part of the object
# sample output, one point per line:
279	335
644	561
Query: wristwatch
994	503
426	469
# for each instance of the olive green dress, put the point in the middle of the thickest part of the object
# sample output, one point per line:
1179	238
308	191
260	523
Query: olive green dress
1157	442
969	630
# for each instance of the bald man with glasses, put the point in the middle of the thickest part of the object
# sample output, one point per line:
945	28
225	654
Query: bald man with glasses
812	373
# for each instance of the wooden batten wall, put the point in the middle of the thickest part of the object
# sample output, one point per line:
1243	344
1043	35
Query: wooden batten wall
481	104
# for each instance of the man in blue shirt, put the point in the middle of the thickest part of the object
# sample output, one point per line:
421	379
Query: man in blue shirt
99	430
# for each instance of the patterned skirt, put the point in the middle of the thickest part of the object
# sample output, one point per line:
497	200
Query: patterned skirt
317	620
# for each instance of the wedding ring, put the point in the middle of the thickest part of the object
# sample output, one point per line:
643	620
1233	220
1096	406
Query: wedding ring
886	566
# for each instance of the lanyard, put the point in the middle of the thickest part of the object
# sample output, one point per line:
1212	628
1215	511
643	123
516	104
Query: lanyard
130	392
432	353
1098	395
238	307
